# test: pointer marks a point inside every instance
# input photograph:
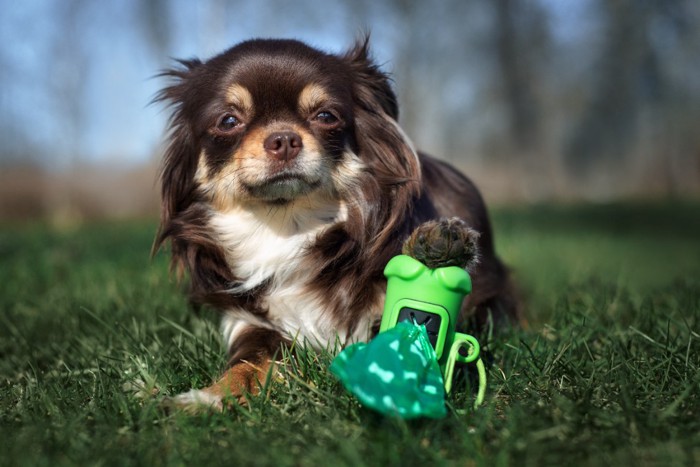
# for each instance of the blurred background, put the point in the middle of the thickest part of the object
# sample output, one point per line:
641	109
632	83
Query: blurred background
538	100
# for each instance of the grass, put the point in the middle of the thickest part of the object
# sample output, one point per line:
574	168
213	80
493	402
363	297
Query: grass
93	335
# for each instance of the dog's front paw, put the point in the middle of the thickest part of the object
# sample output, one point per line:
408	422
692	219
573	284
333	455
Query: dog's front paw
235	385
195	401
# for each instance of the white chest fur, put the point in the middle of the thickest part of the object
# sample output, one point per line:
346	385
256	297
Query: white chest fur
267	244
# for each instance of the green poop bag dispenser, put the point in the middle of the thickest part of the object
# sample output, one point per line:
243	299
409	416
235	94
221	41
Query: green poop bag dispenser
433	298
401	370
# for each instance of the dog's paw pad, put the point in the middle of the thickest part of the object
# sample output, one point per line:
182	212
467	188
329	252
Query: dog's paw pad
196	401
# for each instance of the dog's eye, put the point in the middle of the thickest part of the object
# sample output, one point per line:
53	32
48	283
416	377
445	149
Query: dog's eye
227	123
326	118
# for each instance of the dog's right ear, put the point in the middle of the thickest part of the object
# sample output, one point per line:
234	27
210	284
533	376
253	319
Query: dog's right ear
180	160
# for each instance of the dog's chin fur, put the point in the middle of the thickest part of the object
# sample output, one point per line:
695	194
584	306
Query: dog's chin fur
293	249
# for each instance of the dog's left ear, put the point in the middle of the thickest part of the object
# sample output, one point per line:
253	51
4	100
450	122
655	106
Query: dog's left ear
373	85
387	153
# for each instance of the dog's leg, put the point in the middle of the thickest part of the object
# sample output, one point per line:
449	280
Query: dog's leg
252	354
240	380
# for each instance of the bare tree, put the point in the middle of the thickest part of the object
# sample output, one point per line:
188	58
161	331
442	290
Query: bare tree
68	70
153	20
519	39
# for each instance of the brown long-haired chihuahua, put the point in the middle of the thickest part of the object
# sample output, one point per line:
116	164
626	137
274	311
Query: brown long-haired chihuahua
287	185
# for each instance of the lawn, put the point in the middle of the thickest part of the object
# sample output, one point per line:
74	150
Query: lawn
93	335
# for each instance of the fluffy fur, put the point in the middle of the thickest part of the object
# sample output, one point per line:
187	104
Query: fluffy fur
287	185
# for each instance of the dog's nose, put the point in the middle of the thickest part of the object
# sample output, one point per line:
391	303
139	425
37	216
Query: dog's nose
283	145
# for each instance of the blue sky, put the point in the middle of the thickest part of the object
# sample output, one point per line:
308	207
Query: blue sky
114	79
98	64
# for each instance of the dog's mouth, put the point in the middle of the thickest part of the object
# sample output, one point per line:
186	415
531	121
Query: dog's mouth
282	187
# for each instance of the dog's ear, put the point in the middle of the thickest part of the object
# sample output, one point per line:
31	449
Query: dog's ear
387	153
372	85
180	160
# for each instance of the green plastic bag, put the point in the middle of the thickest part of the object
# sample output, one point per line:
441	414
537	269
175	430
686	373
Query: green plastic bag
397	373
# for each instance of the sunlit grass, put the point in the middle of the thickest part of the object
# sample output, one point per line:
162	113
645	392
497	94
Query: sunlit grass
93	334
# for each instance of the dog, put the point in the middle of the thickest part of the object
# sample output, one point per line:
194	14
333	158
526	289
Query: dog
287	185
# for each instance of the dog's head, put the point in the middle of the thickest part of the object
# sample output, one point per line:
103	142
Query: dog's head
276	121
271	121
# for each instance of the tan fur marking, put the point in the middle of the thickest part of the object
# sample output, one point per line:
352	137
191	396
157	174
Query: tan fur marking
252	145
253	142
238	96
202	173
250	161
240	380
311	97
